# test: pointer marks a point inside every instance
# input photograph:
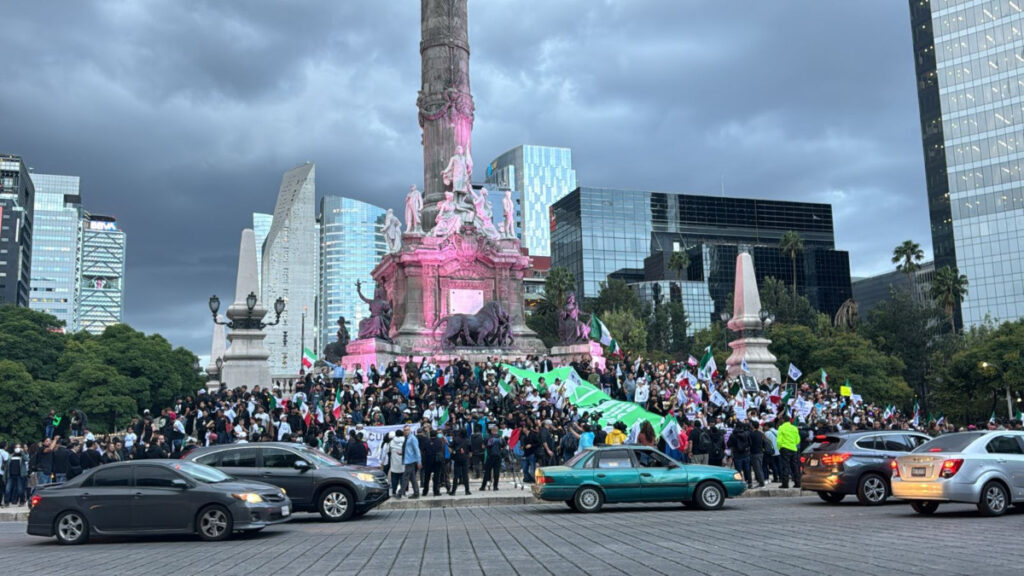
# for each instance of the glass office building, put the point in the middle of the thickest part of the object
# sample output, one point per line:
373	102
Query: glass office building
261	224
351	244
55	247
603	232
17	205
969	61
101	295
538	176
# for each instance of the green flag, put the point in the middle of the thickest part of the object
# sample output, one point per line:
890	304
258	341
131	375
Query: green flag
442	418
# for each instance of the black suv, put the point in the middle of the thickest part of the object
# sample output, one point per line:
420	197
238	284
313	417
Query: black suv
315	482
855	463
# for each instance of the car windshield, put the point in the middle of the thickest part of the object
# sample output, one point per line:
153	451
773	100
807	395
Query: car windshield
201	472
319	458
577	458
950	442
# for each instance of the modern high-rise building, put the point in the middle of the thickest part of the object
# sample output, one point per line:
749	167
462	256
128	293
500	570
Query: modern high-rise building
56	248
102	280
351	244
289	270
969	65
261	224
538	176
631	234
17	199
871	291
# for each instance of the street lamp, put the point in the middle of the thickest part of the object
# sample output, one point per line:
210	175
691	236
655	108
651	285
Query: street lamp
247	323
1009	400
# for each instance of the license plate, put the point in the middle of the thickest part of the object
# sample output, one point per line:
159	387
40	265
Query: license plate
918	471
285	511
813	462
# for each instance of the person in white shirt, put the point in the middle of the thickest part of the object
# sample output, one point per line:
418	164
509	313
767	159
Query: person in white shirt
129	440
643	392
284	430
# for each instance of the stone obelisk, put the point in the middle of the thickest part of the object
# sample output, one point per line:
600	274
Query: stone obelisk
217	349
445	103
245	361
746	322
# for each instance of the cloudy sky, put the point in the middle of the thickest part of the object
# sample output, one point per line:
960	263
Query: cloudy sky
180	117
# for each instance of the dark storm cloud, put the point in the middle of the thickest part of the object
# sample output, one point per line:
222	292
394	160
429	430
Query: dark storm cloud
181	117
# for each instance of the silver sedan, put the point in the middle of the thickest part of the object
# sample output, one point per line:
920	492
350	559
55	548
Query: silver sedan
985	468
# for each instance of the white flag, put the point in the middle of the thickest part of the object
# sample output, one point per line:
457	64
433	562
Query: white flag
671	434
794	372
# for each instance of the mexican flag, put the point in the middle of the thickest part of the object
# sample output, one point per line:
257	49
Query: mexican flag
992	418
442	417
917	414
337	403
824	379
320	413
888	412
1019	416
276	403
304	411
708	368
308	358
599	332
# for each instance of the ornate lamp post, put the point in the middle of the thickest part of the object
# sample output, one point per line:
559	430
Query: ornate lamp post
248	322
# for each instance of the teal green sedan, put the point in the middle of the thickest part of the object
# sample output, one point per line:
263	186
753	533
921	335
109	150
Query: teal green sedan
615	474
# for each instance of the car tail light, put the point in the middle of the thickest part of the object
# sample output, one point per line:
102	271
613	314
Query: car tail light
541	479
186	453
834	459
34	501
895	468
803	459
820	437
951	467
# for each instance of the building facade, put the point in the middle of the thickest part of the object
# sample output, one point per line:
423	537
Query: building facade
289	270
261	224
631	234
351	244
102	278
969	68
538	176
874	290
56	248
17	208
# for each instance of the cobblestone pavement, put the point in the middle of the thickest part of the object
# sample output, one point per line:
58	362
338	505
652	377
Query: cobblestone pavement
787	536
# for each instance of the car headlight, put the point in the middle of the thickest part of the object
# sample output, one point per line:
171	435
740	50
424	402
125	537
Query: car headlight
363	476
249	497
283	491
737	476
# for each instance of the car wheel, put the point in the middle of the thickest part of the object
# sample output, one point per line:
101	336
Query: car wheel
872	490
994	500
336	504
709	496
214	523
831	497
926	507
588	499
71	528
571	503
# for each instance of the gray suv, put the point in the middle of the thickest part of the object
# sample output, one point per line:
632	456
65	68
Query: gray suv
314	481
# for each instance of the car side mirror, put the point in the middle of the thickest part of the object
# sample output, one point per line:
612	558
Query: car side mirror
179	483
301	465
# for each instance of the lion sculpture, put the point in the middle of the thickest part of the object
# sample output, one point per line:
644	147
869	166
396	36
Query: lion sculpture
490	326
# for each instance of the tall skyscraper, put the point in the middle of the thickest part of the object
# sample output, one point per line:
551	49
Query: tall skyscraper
261	224
539	176
17	199
56	247
101	294
289	270
351	244
970	85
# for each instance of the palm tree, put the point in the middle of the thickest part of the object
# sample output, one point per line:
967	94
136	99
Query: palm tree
679	262
792	245
949	288
907	257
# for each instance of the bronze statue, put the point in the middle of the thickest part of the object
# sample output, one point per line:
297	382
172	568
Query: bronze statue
378	325
334	351
572	330
491	326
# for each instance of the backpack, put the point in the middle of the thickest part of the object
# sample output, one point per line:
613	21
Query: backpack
703	441
494	450
742	442
569	444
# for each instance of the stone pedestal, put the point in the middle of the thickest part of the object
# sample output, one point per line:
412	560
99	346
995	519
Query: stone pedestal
746	321
430	278
368	353
565	355
245	360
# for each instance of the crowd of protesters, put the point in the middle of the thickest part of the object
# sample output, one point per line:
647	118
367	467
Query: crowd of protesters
469	425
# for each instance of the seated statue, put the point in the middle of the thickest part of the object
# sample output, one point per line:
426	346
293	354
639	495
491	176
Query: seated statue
378	325
572	330
447	221
334	351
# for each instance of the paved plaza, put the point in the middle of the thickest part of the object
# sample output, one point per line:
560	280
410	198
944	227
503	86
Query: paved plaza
790	536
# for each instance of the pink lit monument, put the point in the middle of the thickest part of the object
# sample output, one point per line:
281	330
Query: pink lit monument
748	321
454	282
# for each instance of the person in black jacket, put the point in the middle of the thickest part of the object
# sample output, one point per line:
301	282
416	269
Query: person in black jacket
355	451
433	461
740	444
757	449
461	450
717	453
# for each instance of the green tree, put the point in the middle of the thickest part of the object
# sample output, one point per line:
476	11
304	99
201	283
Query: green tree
949	288
991	369
791	244
787	307
106	397
793	344
678	262
627	329
906	329
616	295
679	325
544	320
557	285
907	257
32	339
874	375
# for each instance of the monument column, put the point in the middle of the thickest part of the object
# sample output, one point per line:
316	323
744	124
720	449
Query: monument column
445	103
